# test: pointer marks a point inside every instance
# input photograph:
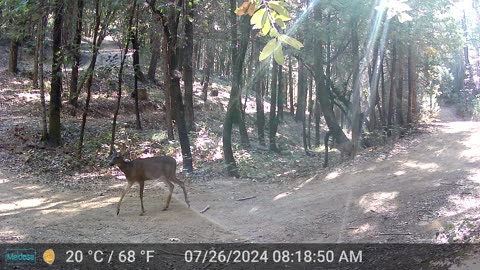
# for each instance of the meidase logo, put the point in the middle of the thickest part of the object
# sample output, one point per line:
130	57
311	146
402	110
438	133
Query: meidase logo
20	256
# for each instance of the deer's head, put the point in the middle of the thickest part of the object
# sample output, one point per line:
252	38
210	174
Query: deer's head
117	157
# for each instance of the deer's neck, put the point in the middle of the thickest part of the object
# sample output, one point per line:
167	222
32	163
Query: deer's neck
124	166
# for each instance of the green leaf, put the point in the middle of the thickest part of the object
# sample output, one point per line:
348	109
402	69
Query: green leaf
280	23
266	28
268	49
275	5
273	33
257	19
278	55
291	41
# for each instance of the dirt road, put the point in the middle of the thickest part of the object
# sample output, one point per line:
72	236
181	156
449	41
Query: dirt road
407	197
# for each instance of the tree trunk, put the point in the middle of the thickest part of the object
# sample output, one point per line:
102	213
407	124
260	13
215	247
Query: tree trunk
280	94
136	67
76	56
168	95
310	111
41	30
39	40
98	37
301	93
260	89
290	87
13	59
234	111
391	98
155	50
54	136
357	116
399	91
170	22
412	85
273	122
188	65
120	81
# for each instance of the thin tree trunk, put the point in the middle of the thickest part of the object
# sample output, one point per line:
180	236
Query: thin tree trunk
73	99
155	50
290	87
207	66
412	85
98	37
54	136
280	93
260	89
310	111
13	59
302	93
273	122
234	111
120	82
40	70
391	98
399	91
188	65
168	95
170	23
39	40
136	67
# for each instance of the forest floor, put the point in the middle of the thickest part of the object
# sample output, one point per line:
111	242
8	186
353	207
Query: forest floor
422	188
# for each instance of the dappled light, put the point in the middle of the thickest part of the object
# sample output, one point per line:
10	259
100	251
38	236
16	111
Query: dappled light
282	195
18	205
332	175
253	209
306	182
362	229
284	121
463	203
421	166
380	202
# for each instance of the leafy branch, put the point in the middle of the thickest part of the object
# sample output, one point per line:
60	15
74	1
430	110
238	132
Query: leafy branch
270	16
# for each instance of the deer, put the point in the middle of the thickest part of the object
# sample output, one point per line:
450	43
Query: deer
142	169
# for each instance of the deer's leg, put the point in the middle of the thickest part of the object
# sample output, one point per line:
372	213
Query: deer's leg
142	185
182	185
170	189
129	185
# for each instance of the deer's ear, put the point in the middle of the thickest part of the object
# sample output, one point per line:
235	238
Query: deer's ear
123	149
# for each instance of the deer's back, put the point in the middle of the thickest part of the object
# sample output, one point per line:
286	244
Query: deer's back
155	167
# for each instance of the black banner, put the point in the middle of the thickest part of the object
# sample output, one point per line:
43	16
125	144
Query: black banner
239	256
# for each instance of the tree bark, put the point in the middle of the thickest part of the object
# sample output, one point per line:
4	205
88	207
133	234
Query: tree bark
155	50
54	136
343	143
234	111
399	91
120	82
273	122
412	85
41	30
170	22
136	66
391	98
290	87
73	99
188	64
13	58
98	37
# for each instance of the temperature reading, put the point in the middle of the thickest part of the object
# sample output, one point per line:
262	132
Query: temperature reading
74	256
148	253
126	256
